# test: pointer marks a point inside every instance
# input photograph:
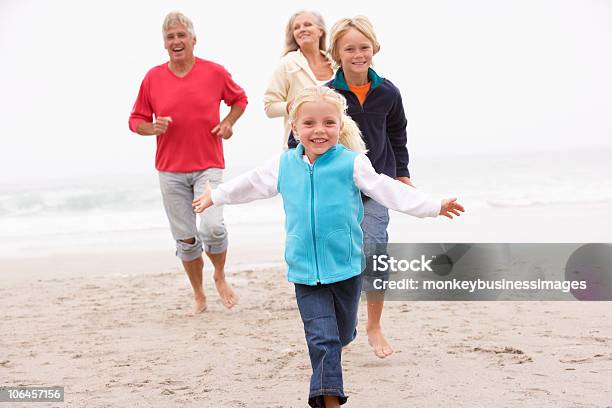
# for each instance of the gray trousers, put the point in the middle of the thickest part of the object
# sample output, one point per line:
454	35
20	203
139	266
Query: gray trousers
178	191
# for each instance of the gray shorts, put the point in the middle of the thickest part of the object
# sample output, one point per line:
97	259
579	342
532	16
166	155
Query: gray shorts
178	191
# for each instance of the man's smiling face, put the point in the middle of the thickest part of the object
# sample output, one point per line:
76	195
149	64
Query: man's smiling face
180	43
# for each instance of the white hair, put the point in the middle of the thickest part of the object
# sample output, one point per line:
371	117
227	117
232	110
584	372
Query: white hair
176	17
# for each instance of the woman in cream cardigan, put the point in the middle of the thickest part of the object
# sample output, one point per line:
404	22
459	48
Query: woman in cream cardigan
303	64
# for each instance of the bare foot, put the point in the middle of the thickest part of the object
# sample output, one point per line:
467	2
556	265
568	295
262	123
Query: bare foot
227	295
331	401
378	342
199	306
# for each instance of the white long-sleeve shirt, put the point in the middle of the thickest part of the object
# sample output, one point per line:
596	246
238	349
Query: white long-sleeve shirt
262	183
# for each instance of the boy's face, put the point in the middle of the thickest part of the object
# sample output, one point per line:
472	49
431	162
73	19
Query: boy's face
318	127
355	51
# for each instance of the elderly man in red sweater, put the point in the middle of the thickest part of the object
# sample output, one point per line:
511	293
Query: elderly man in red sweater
179	102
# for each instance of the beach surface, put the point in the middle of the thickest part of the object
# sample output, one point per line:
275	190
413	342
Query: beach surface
112	329
103	314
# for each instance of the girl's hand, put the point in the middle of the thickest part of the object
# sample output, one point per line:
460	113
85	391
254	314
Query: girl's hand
204	201
451	206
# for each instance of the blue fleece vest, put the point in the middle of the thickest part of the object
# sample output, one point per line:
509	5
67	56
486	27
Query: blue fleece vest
323	211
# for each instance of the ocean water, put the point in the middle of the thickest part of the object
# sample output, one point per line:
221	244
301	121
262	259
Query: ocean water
126	212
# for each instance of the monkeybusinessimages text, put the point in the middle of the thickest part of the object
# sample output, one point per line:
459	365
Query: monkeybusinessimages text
386	263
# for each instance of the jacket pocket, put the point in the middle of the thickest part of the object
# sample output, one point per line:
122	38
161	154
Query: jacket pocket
297	257
337	252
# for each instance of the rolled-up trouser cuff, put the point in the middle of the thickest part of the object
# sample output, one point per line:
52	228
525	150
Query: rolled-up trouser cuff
218	247
315	399
368	284
188	252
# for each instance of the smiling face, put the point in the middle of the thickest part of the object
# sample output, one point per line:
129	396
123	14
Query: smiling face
180	43
305	31
318	127
355	51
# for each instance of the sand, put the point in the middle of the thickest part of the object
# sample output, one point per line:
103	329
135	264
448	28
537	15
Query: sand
113	332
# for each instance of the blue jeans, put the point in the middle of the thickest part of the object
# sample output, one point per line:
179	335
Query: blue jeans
374	226
329	314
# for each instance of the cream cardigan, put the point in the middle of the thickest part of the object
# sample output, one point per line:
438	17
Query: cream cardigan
292	75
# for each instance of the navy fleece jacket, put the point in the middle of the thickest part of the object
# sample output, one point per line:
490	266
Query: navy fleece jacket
381	120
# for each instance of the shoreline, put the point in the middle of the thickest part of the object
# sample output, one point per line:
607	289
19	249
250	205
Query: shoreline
563	223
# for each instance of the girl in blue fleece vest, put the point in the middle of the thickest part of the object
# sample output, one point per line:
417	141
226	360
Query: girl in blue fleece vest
320	182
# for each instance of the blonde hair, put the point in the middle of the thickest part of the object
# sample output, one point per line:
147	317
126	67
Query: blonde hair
350	135
291	44
176	17
359	23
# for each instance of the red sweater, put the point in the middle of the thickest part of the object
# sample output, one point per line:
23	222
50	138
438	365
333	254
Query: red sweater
193	104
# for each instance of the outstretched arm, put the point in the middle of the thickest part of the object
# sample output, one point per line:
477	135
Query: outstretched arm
399	196
255	185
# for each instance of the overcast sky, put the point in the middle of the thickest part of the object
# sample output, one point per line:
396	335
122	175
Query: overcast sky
476	76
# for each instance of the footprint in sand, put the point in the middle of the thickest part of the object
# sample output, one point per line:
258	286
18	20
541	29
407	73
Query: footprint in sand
518	356
585	359
537	391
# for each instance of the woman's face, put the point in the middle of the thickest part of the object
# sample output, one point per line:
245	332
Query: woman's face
305	31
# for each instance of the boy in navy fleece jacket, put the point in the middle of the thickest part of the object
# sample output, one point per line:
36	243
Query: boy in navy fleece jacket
376	105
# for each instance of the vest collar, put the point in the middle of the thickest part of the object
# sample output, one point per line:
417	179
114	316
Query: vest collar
299	152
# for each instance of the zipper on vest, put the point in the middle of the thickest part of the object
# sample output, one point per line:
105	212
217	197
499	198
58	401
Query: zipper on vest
312	219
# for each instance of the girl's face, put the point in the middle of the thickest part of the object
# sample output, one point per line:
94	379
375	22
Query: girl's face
318	127
355	51
305	31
